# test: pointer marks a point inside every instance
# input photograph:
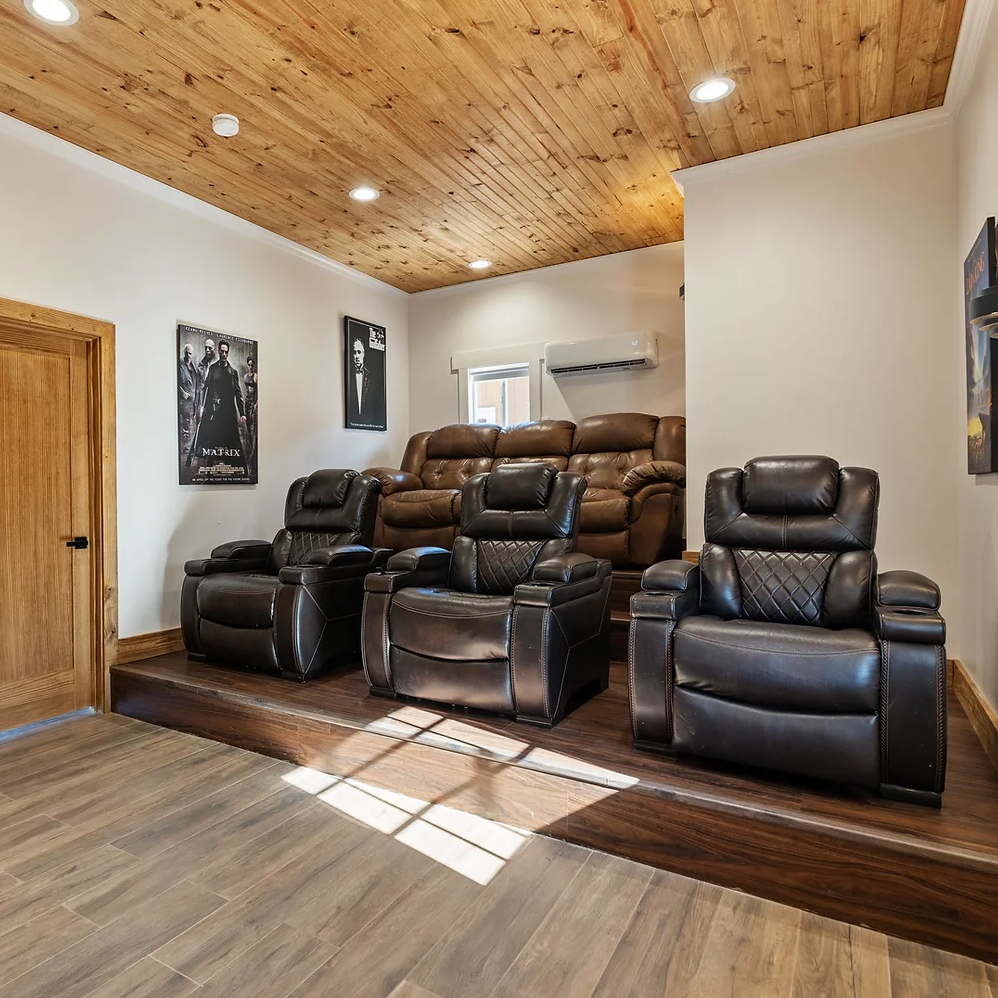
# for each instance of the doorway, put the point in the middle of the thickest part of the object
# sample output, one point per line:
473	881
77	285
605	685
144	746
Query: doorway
58	586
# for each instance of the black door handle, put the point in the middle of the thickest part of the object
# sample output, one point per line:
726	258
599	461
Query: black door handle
80	543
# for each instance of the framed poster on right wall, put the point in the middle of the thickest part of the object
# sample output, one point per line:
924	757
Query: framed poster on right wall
979	273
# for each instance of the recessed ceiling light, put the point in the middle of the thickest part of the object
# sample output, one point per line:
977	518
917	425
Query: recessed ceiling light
480	264
712	90
365	194
225	125
61	12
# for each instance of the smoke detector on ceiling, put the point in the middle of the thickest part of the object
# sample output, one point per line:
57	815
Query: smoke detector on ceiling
225	125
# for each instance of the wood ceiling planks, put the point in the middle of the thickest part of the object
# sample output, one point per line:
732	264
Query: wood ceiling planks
528	132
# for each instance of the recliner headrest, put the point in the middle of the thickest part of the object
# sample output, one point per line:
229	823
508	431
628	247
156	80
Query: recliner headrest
790	486
332	500
327	487
519	486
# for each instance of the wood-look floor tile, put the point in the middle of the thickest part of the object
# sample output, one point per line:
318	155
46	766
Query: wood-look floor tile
33	898
32	943
26	836
749	951
572	946
69	734
36	857
409	990
378	958
112	763
919	971
836	959
473	955
92	963
7	882
160	834
369	878
189	857
272	969
205	949
147	979
661	949
306	833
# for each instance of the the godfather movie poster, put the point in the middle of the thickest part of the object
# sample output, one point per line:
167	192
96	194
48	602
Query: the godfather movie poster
364	373
217	406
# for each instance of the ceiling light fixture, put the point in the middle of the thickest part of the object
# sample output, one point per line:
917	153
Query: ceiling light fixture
61	12
480	264
712	90
365	194
225	125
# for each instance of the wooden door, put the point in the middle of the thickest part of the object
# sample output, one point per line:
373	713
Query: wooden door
46	596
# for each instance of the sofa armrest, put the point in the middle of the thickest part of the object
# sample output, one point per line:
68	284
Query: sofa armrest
566	568
425	566
392	480
907	589
254	550
236	556
670	590
652	473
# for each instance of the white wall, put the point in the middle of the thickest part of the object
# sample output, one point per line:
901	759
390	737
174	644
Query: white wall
821	318
84	236
637	290
977	500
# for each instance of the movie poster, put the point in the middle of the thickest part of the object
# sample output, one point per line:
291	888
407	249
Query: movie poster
979	274
364	369
217	406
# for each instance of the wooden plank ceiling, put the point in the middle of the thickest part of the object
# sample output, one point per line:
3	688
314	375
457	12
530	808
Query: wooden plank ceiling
528	132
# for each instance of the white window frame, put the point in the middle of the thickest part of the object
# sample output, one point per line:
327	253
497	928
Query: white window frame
501	373
531	354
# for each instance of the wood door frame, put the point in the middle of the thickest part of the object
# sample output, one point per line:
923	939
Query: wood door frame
99	337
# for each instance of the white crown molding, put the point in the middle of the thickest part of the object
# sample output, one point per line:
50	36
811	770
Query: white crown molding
20	131
973	27
819	145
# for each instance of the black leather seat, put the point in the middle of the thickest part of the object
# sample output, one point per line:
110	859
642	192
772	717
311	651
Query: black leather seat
292	606
784	649
514	621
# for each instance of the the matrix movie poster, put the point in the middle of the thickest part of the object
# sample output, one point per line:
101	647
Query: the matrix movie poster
217	407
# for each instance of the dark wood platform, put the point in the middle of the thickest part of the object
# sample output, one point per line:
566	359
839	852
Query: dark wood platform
930	876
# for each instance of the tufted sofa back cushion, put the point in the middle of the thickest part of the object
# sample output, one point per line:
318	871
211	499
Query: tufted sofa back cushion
605	448
790	540
454	453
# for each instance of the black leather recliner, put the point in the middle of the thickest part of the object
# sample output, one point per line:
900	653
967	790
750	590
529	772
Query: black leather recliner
784	649
514	621
293	606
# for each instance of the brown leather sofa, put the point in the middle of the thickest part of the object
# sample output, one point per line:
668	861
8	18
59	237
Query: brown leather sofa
514	621
632	510
784	649
293	606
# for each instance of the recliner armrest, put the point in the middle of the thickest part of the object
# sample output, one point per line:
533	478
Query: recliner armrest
243	549
341	555
911	624
551	594
674	576
392	480
566	568
670	590
653	472
425	566
908	589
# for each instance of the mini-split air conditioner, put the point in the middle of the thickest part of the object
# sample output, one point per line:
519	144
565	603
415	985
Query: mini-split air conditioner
620	352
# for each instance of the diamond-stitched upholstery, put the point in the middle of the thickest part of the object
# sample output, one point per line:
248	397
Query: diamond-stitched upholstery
503	565
304	542
783	587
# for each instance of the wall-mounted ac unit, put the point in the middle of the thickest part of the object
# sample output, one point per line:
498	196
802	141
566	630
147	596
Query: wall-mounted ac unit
620	352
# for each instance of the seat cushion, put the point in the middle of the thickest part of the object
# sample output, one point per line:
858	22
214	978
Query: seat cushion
237	599
445	623
422	508
783	666
604	510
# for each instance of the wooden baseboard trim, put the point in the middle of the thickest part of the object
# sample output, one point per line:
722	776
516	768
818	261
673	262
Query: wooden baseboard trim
692	556
141	646
983	718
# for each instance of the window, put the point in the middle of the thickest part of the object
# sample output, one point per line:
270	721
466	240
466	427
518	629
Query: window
499	394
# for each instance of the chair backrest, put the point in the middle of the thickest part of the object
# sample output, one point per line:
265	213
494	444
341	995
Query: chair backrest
332	507
512	518
790	540
605	448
